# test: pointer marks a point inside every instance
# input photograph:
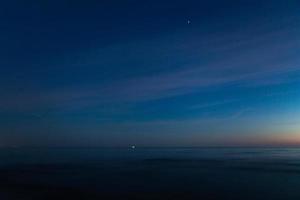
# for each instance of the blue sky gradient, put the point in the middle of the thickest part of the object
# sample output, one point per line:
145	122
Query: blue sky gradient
149	73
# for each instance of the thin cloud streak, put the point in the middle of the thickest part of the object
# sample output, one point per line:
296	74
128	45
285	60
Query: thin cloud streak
264	64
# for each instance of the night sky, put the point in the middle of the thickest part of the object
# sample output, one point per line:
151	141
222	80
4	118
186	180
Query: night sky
149	73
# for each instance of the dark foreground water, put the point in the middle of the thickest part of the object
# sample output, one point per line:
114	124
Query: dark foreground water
150	173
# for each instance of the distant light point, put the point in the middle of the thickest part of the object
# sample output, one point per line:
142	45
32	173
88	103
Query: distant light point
188	21
133	147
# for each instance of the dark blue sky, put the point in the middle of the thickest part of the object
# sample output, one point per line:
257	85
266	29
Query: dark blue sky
149	73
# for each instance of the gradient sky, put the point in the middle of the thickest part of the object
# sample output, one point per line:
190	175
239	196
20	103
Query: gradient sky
149	73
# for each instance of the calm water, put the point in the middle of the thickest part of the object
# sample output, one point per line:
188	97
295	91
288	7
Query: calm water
150	173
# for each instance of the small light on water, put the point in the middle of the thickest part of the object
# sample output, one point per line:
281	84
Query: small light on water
133	147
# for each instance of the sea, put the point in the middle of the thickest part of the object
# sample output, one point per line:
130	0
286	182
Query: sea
149	173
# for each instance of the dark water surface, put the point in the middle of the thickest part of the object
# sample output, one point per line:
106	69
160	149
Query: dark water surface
150	173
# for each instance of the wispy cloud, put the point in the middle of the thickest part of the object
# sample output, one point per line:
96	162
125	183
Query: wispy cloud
255	61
